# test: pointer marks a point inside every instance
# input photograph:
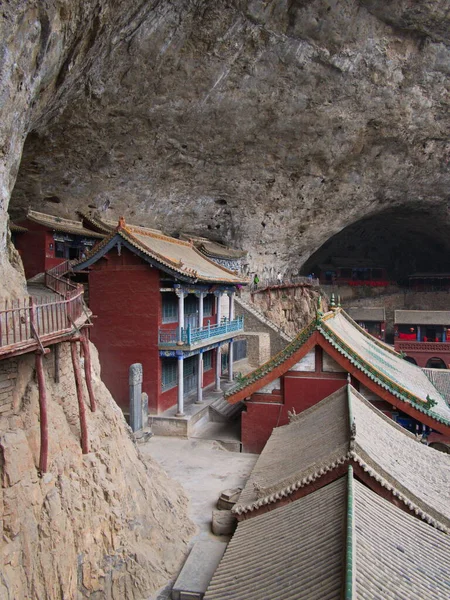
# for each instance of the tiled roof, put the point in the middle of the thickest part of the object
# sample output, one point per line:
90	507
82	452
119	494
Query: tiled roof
396	555
213	249
346	427
440	378
60	224
342	540
14	228
383	365
178	256
293	552
422	317
376	360
358	313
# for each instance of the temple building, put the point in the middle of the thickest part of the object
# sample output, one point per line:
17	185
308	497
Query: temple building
373	320
45	241
317	362
353	271
341	503
158	302
429	282
423	336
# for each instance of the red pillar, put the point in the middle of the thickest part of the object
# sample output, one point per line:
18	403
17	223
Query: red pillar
43	453
79	386
88	371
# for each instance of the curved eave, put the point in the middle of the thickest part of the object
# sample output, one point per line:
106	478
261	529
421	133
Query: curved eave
384	382
273	368
98	253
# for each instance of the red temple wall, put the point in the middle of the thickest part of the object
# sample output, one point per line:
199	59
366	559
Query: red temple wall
125	297
422	357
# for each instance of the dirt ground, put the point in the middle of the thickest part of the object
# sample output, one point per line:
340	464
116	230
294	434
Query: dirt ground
204	469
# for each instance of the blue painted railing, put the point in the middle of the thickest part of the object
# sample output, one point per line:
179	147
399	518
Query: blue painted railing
194	335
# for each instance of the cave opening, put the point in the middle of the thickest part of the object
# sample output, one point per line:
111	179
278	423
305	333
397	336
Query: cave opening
391	246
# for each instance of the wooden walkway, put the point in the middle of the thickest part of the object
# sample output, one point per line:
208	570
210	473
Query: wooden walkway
41	318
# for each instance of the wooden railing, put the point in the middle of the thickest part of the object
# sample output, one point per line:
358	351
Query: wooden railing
194	335
29	320
55	280
23	321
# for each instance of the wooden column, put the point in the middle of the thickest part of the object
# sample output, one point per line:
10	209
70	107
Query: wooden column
88	371
79	387
43	453
180	388
200	379
181	296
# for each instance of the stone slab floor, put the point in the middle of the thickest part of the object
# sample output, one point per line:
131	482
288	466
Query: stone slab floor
204	469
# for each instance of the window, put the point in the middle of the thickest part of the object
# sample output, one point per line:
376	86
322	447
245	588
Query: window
169	308
208	304
207	361
190	305
169	373
59	250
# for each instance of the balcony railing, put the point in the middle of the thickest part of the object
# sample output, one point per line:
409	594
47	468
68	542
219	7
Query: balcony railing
416	346
196	335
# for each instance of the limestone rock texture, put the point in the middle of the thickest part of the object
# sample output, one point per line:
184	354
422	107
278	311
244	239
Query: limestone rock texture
268	124
290	308
102	525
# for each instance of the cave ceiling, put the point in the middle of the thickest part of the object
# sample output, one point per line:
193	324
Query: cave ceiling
269	125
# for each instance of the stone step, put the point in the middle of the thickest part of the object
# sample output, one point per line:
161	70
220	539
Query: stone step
198	570
220	408
261	317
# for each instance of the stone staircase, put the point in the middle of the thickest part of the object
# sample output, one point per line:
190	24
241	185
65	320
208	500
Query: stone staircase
261	317
256	323
221	411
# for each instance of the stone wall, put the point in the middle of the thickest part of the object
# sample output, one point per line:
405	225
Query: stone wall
102	525
254	324
8	377
258	348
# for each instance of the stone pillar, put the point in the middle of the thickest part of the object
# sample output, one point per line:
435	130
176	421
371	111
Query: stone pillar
230	361
218	368
200	296
144	405
181	296
180	399
219	308
231	304
135	382
200	379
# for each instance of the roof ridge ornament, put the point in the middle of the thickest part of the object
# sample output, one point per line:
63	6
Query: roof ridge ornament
121	224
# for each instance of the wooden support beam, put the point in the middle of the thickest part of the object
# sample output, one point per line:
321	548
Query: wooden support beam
56	363
88	371
79	386
43	453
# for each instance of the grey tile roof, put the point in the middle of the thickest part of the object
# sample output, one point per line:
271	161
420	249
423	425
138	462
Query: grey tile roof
320	439
179	256
61	224
440	378
342	536
397	556
422	317
289	553
359	313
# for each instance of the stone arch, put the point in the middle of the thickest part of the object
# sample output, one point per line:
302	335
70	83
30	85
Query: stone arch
411	360
435	363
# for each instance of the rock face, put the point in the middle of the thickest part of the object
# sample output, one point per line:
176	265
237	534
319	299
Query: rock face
102	525
290	308
269	124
